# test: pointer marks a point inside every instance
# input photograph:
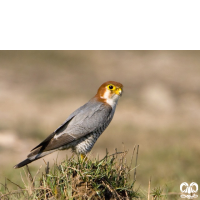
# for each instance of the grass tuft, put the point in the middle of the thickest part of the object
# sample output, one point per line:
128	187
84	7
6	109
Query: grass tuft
108	178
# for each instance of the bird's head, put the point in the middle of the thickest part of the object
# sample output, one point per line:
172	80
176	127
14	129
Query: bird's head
109	92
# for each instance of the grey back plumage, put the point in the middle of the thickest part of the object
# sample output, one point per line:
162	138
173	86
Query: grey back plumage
87	119
83	127
92	117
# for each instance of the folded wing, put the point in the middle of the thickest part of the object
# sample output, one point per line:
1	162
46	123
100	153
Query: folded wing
83	121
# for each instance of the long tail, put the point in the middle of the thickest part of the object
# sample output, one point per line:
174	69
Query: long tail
35	155
23	163
38	152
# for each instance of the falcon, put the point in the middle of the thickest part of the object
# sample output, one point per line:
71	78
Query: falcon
83	127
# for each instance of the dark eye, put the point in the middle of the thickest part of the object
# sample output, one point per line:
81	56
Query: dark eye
111	87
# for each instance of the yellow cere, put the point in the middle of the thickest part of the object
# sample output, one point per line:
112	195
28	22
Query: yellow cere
118	91
113	88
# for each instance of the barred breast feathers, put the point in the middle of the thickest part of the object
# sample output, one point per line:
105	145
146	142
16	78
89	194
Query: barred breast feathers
83	127
81	122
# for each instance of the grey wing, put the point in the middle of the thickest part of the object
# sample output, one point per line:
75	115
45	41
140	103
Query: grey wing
83	121
63	126
91	118
60	129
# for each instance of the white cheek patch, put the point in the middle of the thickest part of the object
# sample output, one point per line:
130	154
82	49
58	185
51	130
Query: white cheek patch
110	99
113	101
106	94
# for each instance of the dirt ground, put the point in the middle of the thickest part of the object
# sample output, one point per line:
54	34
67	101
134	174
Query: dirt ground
159	110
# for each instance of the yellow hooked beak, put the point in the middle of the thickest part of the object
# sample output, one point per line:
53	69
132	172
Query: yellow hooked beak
118	91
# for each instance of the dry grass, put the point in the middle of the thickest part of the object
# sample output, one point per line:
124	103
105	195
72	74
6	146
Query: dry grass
108	178
159	110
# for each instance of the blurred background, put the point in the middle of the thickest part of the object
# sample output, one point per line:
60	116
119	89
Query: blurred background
159	109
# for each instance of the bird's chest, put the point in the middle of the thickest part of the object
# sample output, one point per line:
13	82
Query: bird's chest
86	143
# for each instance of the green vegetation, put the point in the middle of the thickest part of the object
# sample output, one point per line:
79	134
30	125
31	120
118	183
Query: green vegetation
159	110
75	179
110	178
